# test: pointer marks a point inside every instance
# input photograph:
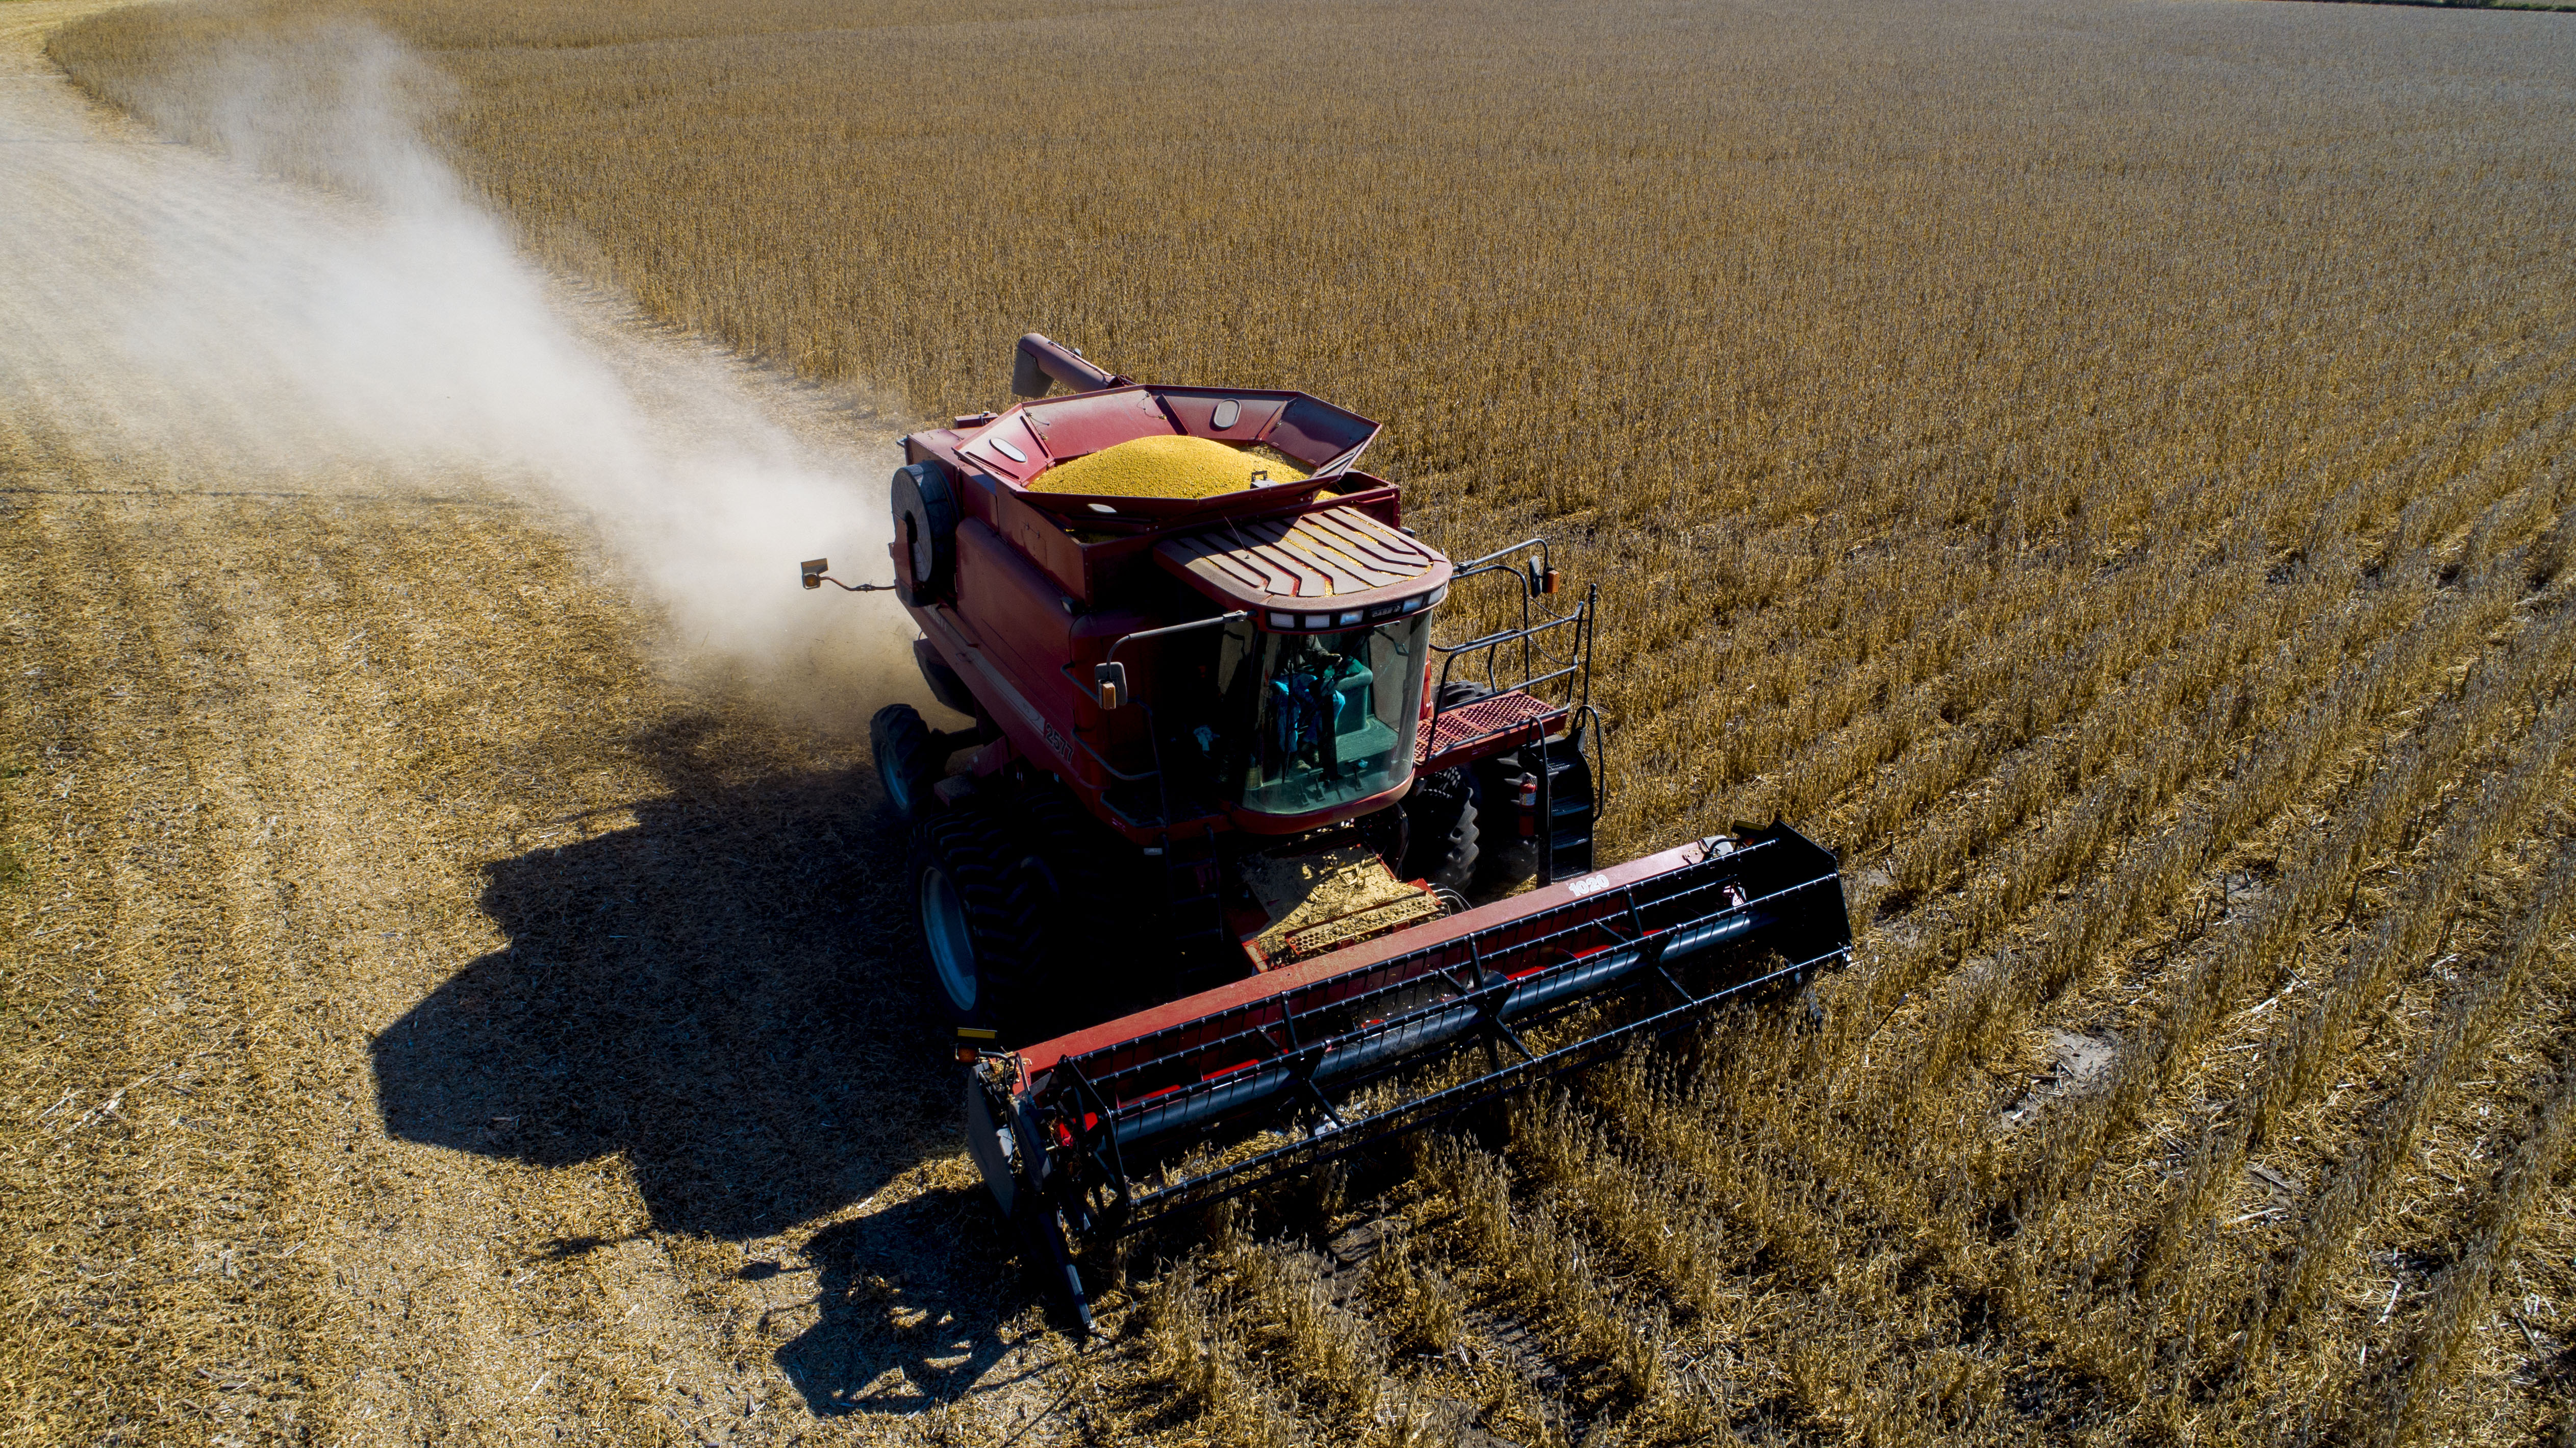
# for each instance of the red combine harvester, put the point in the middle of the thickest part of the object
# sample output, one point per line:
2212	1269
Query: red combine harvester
1197	902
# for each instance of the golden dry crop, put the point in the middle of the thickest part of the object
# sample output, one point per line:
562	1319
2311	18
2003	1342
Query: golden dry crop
2104	468
1162	467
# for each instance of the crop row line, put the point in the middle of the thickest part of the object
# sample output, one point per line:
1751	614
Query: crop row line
1960	1174
2043	668
2294	1058
2360	1181
1700	1128
2001	995
2326	869
1534	1257
1715	1198
1205	1371
1767	730
2225	648
1629	1202
2222	977
2394	1409
2266	777
2510	425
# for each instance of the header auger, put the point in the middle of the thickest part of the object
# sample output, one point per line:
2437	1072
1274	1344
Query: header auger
1199	885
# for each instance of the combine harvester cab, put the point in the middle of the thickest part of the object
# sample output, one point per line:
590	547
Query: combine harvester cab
1198	648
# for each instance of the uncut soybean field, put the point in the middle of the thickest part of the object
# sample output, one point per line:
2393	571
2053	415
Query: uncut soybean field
2106	469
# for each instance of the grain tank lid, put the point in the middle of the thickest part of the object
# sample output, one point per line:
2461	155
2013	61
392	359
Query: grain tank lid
1017	445
1339	558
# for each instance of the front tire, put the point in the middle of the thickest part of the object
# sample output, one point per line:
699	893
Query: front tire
1440	830
976	930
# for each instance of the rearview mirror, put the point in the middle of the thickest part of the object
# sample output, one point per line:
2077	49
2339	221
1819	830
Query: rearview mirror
1109	681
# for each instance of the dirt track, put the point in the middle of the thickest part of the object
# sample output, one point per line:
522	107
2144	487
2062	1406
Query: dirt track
429	1017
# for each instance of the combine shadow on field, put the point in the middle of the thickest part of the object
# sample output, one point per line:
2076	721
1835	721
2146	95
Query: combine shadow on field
913	1303
724	993
728	994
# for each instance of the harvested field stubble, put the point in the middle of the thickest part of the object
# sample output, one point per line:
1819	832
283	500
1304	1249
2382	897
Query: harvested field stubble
2110	472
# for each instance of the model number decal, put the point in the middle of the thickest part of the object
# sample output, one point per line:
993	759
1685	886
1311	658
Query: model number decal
1029	715
1035	720
1588	885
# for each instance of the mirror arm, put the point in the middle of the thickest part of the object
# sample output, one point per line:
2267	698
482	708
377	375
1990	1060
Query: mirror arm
1123	640
1109	677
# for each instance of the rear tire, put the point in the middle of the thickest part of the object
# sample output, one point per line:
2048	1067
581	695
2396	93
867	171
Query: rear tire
1440	830
906	759
978	933
1499	858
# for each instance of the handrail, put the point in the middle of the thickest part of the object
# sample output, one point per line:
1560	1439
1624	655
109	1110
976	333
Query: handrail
1523	546
1523	686
1535	578
1507	635
1487	565
1582	619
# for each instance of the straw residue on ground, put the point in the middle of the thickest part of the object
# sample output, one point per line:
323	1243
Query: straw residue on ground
2107	471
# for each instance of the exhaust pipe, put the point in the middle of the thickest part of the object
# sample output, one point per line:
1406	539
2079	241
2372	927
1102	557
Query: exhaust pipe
1037	361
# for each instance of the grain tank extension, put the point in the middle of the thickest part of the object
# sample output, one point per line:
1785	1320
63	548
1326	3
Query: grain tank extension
1243	864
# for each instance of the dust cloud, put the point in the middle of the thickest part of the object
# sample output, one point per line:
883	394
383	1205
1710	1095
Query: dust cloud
382	333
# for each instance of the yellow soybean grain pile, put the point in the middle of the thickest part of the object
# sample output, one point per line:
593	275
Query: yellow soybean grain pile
1162	467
